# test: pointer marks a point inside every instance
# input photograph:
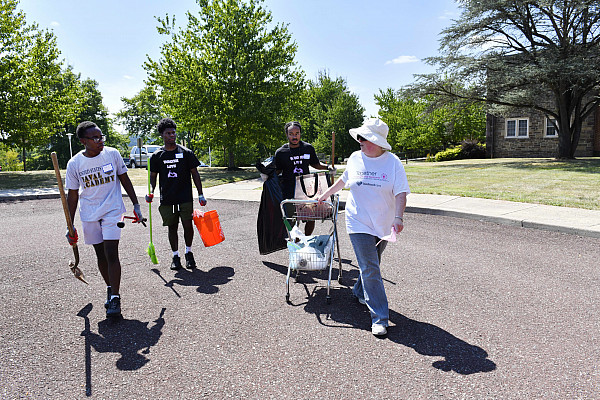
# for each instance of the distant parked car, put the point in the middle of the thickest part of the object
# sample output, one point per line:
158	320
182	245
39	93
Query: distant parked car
140	159
202	164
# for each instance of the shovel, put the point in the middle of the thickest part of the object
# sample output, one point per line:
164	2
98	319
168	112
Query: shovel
73	265
151	250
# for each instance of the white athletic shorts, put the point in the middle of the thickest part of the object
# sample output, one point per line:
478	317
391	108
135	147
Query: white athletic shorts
95	232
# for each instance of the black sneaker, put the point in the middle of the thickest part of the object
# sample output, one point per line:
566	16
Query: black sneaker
190	263
114	307
108	294
176	263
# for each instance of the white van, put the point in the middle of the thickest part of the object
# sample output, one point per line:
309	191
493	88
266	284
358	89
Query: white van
137	159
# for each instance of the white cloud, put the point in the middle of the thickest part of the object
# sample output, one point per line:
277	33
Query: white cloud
129	77
403	60
447	15
54	23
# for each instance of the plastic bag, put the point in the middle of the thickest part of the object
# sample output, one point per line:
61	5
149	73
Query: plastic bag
270	230
309	252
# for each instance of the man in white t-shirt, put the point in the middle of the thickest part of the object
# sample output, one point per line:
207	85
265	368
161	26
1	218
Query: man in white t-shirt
94	178
374	209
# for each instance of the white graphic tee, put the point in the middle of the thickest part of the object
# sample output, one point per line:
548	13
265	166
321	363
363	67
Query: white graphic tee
97	180
374	183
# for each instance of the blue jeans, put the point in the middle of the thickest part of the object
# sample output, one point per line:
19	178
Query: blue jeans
369	285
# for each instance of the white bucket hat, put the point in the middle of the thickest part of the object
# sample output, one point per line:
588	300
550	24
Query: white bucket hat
375	131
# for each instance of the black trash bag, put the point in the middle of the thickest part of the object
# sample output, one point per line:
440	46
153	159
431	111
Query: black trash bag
270	228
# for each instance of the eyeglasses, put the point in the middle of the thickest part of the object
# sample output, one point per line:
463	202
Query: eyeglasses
97	139
361	139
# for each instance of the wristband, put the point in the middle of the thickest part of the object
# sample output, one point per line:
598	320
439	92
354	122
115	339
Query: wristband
400	218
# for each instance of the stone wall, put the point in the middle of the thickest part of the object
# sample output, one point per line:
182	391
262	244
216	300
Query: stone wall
537	144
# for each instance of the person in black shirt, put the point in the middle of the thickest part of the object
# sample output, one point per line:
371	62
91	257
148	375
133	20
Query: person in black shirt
177	166
293	159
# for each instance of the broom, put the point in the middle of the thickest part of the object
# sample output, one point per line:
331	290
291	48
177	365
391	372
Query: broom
151	250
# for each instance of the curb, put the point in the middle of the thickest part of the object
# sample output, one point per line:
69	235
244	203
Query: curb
523	223
505	221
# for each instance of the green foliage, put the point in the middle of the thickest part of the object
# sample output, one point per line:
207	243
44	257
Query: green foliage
452	153
328	106
227	76
91	109
521	56
419	125
472	149
468	149
9	159
36	95
141	114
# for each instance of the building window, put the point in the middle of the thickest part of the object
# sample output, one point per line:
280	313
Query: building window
517	127
550	129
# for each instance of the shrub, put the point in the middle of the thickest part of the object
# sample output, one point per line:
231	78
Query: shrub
467	149
472	149
452	153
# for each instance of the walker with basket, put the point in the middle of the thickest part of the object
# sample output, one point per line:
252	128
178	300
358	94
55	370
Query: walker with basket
311	252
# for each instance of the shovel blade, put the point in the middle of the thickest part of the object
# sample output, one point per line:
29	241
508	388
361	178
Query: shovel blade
77	272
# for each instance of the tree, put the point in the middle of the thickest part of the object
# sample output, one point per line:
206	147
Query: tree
330	107
33	94
141	113
90	109
518	53
424	125
227	77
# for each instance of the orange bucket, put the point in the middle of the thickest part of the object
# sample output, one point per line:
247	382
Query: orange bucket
209	227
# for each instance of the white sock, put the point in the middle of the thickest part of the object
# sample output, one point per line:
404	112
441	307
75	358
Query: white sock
176	253
188	249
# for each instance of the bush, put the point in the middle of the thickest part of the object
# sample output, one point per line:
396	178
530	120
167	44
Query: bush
467	149
452	153
472	149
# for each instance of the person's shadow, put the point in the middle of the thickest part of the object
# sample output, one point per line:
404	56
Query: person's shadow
205	282
126	337
425	338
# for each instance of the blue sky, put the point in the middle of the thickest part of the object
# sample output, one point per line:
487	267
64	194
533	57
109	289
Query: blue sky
371	44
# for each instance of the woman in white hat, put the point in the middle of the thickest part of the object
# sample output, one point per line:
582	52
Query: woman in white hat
374	208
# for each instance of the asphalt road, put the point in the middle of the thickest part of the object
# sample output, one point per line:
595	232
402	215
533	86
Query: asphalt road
478	311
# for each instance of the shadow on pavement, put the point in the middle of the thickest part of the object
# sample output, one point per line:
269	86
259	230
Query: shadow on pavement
426	339
83	313
206	282
430	340
124	336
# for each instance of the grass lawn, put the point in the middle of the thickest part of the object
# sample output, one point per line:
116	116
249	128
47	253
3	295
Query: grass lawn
574	183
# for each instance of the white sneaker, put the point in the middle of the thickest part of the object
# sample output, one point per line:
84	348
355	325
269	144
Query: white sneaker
378	330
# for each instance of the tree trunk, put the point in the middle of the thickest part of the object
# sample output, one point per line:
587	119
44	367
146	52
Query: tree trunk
565	131
231	162
564	141
24	160
575	134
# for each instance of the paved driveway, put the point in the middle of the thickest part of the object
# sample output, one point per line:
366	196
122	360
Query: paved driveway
478	311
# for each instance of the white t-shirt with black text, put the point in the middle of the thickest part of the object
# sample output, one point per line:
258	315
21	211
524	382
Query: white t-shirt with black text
374	183
98	183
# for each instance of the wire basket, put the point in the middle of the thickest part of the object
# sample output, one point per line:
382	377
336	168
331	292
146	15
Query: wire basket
313	254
